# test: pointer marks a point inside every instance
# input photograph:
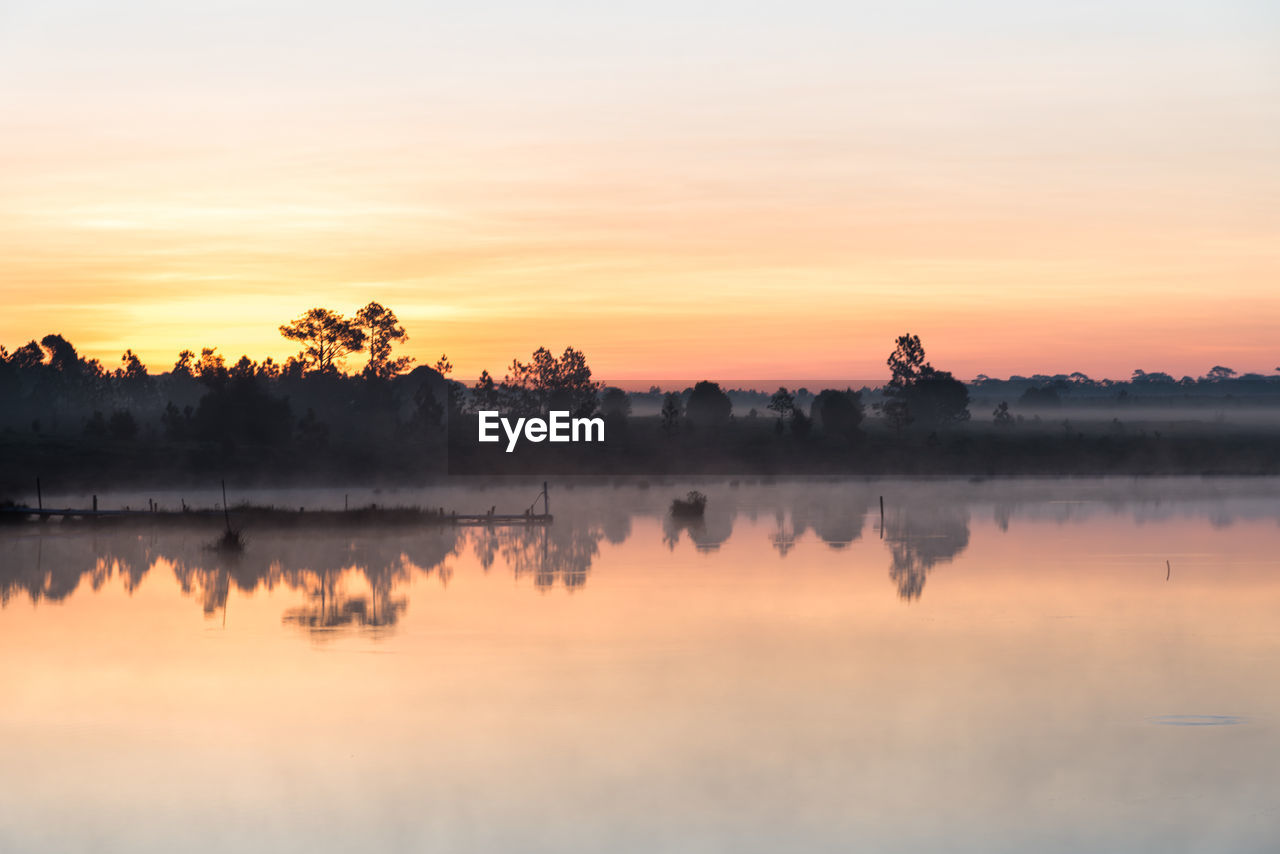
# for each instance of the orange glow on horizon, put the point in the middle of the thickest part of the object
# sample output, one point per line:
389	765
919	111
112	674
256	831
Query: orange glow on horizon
1022	210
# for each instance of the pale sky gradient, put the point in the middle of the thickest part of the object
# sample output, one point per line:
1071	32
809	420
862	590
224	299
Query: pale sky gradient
733	190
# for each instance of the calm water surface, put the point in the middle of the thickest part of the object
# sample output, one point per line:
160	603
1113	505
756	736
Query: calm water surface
1055	666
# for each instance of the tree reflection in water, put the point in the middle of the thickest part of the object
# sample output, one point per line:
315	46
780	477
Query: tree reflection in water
330	607
707	534
550	555
921	538
838	524
357	578
325	566
51	568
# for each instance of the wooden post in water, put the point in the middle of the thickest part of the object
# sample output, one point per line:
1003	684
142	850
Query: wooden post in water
39	496
225	514
95	504
882	517
546	500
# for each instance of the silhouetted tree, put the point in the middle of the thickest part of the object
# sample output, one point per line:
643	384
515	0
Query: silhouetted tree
1036	396
212	368
615	407
27	357
292	369
382	330
246	368
484	394
906	362
62	356
182	367
1141	377
1001	417
327	338
801	425
615	403
548	383
938	400
708	406
671	412
906	365
240	409
132	373
428	408
837	413
782	402
919	393
268	370
433	398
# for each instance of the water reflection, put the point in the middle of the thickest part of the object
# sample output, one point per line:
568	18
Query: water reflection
1025	671
52	567
551	556
838	524
349	579
706	534
919	540
356	579
329	607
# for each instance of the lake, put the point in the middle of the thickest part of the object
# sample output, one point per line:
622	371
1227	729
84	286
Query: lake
1026	665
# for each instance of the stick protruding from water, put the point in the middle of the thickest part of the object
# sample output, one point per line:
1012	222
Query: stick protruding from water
226	516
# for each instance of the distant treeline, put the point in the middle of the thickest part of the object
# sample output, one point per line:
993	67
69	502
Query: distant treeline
60	411
310	417
1221	385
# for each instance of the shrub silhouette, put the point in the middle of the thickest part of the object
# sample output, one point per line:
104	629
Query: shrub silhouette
708	406
838	414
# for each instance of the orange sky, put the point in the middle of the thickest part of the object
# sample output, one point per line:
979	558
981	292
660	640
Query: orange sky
679	193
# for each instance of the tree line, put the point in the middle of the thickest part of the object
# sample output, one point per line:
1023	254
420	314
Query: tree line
48	388
311	399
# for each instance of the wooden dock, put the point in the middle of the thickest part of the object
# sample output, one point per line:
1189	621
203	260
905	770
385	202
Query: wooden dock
371	514
269	515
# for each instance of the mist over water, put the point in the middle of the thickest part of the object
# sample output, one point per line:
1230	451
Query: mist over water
997	665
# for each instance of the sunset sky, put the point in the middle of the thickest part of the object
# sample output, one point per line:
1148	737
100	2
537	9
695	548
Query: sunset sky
731	190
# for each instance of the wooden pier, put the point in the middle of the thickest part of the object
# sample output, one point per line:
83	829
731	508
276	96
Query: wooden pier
389	515
271	515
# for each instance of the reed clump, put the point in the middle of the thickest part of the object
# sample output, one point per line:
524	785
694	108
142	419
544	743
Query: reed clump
692	506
